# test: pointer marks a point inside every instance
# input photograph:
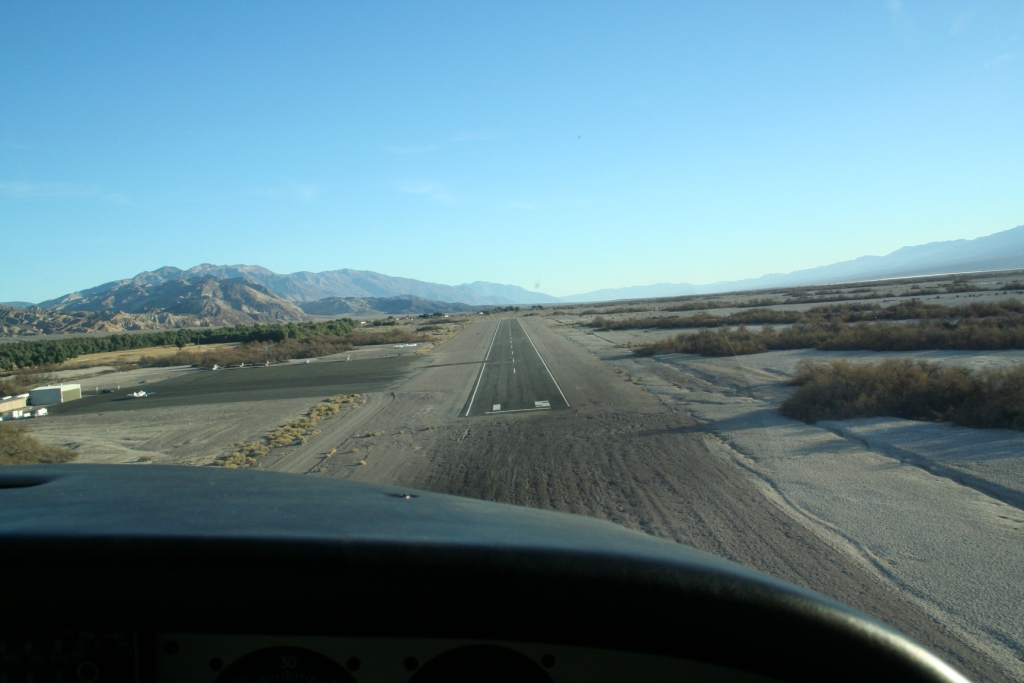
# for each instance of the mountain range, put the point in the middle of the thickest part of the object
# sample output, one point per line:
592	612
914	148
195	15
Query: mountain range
211	295
999	251
216	295
305	286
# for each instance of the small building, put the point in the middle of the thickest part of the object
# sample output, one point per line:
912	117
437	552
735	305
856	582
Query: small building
9	403
57	393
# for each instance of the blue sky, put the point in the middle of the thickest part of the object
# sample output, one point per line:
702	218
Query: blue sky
565	146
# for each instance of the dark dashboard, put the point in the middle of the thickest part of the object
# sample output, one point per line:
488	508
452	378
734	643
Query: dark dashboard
146	573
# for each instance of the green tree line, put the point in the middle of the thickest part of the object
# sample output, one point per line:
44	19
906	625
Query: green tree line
29	354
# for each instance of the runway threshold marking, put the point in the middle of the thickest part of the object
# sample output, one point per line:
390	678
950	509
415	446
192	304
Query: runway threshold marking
545	364
484	365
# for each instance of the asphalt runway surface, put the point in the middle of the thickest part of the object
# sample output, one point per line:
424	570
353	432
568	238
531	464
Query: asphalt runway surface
256	383
514	378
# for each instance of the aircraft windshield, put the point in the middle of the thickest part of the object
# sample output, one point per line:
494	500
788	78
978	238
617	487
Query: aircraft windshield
740	275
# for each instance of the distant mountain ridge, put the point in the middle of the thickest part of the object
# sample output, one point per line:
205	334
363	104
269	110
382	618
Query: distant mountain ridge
218	295
999	251
304	286
180	303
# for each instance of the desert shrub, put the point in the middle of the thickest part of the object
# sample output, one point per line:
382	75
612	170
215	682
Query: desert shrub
234	460
697	306
610	308
296	432
963	334
961	286
173	360
915	309
19	447
699	320
909	389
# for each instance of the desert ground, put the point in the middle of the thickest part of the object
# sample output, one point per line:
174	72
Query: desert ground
917	524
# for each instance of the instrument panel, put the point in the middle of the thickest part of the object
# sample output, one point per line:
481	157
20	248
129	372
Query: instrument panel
89	657
190	574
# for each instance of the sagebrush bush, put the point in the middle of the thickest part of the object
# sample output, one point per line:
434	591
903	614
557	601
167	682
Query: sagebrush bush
19	447
910	389
1010	312
967	334
295	433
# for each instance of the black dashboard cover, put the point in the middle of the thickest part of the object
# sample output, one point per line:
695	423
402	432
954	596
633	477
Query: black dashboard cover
161	548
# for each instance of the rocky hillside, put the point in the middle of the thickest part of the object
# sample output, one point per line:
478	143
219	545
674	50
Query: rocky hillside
152	304
228	302
17	322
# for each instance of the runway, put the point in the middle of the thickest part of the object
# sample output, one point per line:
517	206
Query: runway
514	377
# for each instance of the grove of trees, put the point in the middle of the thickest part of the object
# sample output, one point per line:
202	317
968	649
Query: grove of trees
29	354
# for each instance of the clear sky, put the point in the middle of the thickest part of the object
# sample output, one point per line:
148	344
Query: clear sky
565	146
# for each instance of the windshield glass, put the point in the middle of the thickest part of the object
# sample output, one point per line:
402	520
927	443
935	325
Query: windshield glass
740	275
